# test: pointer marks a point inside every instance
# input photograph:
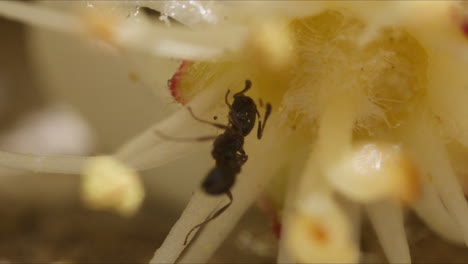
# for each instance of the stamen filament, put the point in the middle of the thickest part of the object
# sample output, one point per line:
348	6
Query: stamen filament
387	220
37	16
180	42
431	153
433	212
293	190
37	163
159	40
335	131
199	207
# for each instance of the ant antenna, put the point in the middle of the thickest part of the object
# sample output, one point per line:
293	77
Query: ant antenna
170	138
227	100
261	126
221	126
248	84
211	217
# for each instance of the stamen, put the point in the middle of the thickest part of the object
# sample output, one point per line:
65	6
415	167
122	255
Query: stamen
36	16
180	42
176	42
293	186
319	232
431	153
446	86
433	212
387	219
316	230
48	164
108	184
336	128
199	207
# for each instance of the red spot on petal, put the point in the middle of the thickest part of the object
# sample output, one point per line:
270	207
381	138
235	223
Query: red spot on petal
175	81
276	227
460	18
464	28
266	206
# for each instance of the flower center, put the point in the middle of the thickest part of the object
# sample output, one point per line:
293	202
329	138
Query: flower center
387	73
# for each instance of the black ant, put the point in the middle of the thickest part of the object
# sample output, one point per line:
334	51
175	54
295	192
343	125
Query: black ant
228	148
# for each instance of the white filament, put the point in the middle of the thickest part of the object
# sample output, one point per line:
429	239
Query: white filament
432	155
433	212
199	207
37	163
387	220
36	16
155	39
180	42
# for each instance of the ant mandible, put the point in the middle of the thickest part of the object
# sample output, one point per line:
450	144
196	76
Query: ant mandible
228	147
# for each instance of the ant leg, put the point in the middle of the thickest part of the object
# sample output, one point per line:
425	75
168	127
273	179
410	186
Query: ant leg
227	100
211	217
200	139
221	126
261	126
248	84
243	157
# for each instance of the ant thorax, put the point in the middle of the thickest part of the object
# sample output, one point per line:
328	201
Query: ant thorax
228	150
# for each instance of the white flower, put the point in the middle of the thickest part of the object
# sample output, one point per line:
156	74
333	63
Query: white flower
367	98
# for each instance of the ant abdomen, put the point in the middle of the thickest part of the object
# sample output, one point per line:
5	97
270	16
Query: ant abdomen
219	180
